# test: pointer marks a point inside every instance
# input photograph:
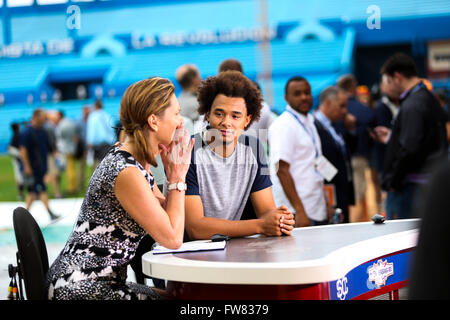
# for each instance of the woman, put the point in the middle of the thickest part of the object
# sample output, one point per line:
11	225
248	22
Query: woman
122	204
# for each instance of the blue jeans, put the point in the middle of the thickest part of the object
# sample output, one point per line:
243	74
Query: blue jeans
399	203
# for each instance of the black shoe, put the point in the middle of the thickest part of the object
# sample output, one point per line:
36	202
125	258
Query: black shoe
54	217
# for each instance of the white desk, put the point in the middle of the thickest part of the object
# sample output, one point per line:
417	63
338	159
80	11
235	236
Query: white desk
326	262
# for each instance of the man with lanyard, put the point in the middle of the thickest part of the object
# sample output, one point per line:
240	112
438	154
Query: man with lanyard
295	156
418	137
333	108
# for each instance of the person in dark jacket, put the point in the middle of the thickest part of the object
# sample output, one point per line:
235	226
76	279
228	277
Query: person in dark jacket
332	108
418	136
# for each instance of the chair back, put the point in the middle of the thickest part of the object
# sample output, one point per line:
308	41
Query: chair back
32	254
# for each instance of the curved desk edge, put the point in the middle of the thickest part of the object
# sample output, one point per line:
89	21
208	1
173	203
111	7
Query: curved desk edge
330	268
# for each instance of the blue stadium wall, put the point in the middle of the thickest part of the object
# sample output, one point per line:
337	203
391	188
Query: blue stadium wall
116	43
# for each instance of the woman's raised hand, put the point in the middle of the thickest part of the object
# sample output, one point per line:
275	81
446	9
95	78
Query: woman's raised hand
176	157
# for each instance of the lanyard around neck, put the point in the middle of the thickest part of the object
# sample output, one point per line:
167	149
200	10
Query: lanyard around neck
310	134
334	135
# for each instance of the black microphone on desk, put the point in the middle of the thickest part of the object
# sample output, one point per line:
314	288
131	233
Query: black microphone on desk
219	237
378	218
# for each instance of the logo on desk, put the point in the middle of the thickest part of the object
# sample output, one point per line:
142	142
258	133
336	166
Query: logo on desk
342	288
380	271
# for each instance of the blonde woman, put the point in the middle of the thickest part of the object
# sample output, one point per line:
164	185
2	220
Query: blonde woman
122	203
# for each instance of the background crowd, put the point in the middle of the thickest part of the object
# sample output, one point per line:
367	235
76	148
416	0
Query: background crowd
350	128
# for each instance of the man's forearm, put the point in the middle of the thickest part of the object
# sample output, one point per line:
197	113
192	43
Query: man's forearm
207	226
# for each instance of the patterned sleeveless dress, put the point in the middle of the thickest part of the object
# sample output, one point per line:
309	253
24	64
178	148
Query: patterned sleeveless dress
93	263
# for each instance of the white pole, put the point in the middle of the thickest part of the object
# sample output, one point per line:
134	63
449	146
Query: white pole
264	76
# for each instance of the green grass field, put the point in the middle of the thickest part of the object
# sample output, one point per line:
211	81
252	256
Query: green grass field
8	189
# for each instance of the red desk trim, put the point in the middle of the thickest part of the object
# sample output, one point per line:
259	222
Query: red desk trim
202	291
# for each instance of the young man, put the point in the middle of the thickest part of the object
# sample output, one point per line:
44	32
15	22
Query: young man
294	149
228	168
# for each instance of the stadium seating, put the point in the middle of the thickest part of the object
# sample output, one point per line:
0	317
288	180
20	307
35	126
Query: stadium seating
320	61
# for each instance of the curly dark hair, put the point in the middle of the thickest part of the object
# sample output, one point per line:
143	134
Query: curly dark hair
231	84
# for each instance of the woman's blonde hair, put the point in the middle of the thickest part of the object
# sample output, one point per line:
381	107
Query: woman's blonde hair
140	100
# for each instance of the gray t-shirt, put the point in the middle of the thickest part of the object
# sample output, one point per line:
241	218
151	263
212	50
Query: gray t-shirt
224	184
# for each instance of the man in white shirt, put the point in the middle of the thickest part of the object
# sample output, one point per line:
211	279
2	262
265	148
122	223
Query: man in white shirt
294	147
